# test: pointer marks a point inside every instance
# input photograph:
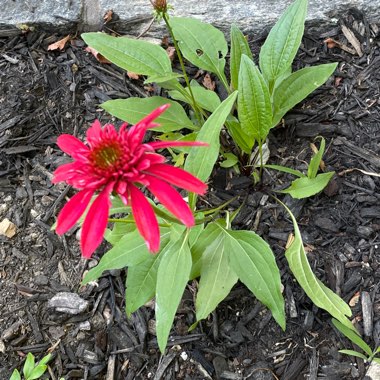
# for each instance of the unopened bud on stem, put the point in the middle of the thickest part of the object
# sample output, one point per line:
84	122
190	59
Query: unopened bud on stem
160	6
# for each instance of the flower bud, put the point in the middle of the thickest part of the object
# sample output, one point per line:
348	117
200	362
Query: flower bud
160	6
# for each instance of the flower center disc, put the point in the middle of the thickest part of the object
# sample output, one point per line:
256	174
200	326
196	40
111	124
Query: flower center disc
106	156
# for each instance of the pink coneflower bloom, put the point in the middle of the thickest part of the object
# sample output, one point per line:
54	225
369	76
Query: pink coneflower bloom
119	162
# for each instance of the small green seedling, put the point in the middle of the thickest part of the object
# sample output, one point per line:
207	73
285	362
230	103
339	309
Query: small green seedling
307	185
358	341
32	370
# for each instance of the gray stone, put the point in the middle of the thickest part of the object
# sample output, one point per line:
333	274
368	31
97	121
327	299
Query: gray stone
47	14
251	16
41	280
69	303
135	15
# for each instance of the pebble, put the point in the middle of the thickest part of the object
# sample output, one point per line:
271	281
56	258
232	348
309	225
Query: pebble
364	231
21	193
46	200
69	303
85	326
41	280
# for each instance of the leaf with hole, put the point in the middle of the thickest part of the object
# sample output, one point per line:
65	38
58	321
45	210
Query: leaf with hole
132	110
201	43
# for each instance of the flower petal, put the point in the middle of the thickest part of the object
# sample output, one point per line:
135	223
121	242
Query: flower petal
73	210
171	199
168	144
71	145
94	133
63	172
137	132
96	222
145	219
178	177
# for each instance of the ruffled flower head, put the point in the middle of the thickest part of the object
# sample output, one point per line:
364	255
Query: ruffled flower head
119	162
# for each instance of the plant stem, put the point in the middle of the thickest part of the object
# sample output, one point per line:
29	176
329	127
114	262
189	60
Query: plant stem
129	221
195	105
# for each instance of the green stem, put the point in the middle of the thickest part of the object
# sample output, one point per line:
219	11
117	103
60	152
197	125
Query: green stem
221	207
195	105
129	221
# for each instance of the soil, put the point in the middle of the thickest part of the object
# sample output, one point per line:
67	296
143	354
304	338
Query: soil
46	93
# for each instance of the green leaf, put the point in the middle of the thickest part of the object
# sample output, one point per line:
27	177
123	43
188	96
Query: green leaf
45	359
352	336
15	375
140	57
201	161
253	261
230	160
206	99
162	78
201	44
132	110
217	277
306	187
173	275
298	86
119	230
254	104
37	372
240	137
176	136
239	46
312	170
376	360
322	296
129	250
282	43
209	234
354	353
196	231
118	206
28	365
141	282
284	169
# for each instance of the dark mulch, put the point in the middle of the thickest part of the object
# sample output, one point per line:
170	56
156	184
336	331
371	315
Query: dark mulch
44	94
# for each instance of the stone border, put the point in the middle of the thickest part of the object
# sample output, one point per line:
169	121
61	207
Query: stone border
133	16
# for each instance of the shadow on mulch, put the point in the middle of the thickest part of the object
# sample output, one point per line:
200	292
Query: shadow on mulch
44	94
